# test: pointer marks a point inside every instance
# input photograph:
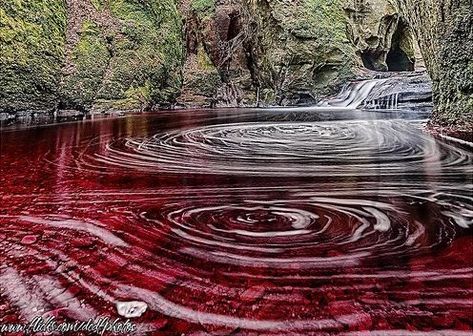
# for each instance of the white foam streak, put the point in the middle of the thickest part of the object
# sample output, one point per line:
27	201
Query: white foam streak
278	261
159	303
24	297
76	225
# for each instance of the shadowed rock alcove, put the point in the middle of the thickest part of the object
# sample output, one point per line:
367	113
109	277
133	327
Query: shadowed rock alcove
384	42
398	55
401	44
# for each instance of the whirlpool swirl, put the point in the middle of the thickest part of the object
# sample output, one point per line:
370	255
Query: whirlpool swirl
285	149
247	228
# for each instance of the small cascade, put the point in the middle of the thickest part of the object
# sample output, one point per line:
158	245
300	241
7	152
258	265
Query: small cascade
354	95
389	102
392	93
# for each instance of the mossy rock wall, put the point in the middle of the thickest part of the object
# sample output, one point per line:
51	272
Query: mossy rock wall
32	42
300	49
89	54
376	28
444	30
271	52
127	54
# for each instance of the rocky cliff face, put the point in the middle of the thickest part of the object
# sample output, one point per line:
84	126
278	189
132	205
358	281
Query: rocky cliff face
444	29
273	52
97	55
88	54
381	35
265	51
32	40
300	49
121	54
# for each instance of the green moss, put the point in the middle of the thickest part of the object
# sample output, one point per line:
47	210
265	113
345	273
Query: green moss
203	59
205	83
98	4
323	19
201	80
141	93
32	38
203	6
301	47
90	59
444	35
135	98
158	52
453	79
141	51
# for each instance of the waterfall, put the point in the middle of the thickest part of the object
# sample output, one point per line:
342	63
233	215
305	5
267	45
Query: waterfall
356	95
352	96
390	102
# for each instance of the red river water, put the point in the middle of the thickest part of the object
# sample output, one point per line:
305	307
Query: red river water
239	222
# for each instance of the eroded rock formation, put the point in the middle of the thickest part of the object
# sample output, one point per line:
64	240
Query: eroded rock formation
98	55
271	52
266	51
381	35
300	48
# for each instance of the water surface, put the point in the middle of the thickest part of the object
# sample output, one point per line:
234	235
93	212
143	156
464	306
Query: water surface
241	222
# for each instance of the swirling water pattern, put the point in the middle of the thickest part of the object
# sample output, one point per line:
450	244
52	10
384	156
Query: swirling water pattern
292	149
239	223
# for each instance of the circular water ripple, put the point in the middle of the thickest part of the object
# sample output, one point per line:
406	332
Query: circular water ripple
314	232
288	149
306	257
194	254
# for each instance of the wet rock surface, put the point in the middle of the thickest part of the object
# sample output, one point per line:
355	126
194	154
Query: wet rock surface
402	91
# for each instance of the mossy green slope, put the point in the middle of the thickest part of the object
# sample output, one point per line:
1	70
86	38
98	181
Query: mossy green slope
90	59
128	56
32	38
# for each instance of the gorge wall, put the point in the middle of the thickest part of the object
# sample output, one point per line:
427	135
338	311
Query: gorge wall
278	52
88	54
444	29
32	39
265	51
99	55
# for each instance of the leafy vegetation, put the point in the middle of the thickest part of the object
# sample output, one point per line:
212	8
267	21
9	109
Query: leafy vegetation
137	56
90	59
